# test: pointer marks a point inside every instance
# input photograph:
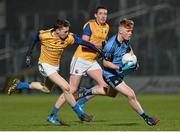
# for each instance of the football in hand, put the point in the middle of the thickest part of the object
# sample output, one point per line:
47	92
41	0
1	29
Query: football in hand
129	59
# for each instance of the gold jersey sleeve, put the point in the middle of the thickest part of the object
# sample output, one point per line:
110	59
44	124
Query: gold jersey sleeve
99	35
52	47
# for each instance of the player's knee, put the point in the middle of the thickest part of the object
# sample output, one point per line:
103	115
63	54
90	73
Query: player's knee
66	89
73	89
131	95
66	92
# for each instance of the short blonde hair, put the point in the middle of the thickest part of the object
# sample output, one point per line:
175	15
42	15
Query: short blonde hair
127	23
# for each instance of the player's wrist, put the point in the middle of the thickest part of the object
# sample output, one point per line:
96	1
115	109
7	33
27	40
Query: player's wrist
120	68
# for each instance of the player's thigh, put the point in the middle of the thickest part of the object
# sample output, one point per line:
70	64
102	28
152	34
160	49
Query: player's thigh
45	70
52	73
79	66
124	89
59	81
95	72
113	82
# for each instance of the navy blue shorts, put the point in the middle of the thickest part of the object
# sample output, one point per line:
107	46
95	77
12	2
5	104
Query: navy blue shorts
113	81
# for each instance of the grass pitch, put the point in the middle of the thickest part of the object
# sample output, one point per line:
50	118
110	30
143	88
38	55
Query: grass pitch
29	112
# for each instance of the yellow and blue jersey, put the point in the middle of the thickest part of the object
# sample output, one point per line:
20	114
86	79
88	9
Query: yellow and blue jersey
98	34
52	46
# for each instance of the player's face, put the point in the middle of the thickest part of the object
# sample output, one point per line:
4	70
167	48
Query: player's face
101	16
125	32
62	32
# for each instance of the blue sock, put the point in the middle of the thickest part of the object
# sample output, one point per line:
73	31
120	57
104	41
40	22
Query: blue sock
54	111
82	101
78	110
23	85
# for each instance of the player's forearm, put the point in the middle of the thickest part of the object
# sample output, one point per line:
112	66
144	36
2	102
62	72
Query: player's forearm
96	43
80	41
91	46
32	45
110	65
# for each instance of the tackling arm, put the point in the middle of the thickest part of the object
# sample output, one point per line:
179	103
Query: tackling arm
30	49
79	41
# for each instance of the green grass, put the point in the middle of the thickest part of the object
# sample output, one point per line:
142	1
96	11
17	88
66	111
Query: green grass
29	112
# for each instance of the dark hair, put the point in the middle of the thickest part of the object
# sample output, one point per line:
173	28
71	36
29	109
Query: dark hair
61	23
100	7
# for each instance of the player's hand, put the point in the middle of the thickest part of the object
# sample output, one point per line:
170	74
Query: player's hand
127	67
28	60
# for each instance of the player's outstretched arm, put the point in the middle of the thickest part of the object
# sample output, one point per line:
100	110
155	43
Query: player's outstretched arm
30	49
80	41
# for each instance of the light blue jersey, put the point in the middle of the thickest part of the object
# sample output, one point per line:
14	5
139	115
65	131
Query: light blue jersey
114	50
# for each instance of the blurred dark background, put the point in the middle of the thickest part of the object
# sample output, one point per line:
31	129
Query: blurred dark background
156	38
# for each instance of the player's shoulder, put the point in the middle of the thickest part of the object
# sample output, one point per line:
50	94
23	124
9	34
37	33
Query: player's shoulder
110	42
111	39
45	31
93	24
88	23
107	25
71	35
93	21
43	34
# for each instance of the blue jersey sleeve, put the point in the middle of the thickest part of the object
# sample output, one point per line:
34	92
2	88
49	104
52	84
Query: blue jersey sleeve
87	30
77	40
36	37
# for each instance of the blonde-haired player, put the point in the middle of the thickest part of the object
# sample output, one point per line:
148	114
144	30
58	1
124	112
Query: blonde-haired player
113	69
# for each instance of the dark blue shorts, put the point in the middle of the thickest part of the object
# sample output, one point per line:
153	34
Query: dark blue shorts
113	81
